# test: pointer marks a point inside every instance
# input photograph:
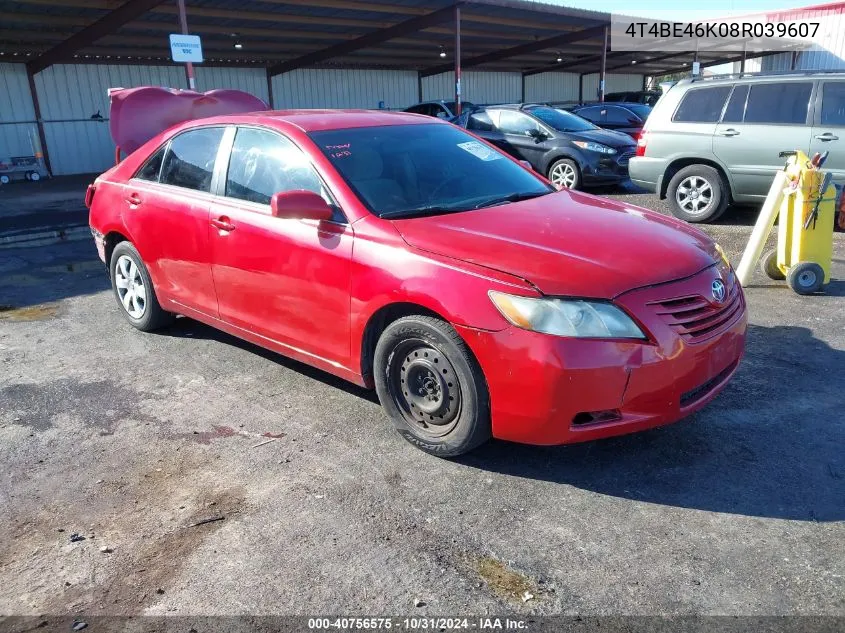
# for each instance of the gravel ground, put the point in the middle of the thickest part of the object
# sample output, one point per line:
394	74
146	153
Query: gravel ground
203	475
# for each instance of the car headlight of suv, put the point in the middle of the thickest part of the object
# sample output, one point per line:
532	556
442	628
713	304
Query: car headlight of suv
594	147
566	317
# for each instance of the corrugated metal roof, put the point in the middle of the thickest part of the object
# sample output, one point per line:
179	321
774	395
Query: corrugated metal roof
273	31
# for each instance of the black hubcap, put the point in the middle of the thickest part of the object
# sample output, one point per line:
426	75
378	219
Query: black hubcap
425	387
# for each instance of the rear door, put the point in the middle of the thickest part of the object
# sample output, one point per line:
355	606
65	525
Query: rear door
760	121
829	127
167	207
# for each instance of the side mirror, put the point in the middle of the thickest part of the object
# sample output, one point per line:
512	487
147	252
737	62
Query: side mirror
537	135
300	204
526	164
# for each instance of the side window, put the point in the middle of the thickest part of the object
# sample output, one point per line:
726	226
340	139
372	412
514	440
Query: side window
778	103
264	163
703	105
615	114
513	122
417	109
591	114
152	167
833	103
440	112
480	121
189	162
735	111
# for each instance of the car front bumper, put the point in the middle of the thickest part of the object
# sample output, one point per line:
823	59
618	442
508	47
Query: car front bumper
555	390
600	169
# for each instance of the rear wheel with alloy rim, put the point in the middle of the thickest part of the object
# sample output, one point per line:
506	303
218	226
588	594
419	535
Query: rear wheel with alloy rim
565	173
697	194
134	290
431	386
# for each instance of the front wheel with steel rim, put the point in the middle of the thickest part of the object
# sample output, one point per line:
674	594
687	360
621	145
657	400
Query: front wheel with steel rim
134	290
805	278
696	194
431	386
565	173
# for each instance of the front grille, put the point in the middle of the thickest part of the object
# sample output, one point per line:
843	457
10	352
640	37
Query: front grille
693	395
695	318
625	157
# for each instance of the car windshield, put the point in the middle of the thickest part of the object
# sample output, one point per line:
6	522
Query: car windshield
464	105
425	169
561	120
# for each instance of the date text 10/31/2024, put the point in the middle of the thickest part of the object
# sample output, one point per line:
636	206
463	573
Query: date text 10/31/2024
418	623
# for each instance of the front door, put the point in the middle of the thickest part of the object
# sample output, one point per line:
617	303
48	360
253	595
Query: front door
166	213
523	134
284	279
762	120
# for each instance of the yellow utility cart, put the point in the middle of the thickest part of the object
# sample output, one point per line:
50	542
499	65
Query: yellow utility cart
805	226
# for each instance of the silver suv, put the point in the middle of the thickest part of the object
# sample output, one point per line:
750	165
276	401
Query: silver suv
712	142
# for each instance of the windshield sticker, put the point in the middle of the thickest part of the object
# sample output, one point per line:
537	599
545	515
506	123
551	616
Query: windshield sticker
480	151
339	151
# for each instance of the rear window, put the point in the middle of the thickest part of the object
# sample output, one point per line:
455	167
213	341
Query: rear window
783	103
702	105
736	106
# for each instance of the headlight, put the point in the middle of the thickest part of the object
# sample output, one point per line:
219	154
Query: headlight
594	147
721	254
566	317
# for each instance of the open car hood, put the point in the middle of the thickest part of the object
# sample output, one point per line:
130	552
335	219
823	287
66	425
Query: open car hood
138	114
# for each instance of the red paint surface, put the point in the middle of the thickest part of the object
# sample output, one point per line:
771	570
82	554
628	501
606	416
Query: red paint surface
307	289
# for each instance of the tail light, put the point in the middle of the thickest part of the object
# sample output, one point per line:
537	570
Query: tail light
641	143
89	195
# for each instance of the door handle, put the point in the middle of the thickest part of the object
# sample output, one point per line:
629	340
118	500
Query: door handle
729	132
134	199
223	223
827	136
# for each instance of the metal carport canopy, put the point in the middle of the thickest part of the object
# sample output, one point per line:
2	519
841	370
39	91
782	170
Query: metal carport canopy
282	35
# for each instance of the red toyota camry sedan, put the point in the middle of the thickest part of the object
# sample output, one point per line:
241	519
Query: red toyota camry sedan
402	253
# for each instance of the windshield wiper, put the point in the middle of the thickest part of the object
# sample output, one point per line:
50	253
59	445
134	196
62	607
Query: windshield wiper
431	209
514	197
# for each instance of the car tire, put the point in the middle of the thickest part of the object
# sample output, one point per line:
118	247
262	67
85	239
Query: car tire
565	171
693	185
34	176
130	278
805	278
769	265
448	412
5	180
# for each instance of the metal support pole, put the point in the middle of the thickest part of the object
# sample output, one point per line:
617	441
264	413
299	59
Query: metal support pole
603	64
581	88
419	87
189	67
42	138
794	62
457	60
742	61
270	89
522	93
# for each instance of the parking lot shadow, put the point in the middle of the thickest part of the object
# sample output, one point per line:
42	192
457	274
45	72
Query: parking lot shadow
771	445
188	328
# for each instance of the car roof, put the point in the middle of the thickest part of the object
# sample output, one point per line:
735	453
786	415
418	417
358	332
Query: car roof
323	120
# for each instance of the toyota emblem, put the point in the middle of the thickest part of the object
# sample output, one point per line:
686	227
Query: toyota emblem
718	289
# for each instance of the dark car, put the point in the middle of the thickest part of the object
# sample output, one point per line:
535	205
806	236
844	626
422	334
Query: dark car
440	109
648	97
570	151
622	117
